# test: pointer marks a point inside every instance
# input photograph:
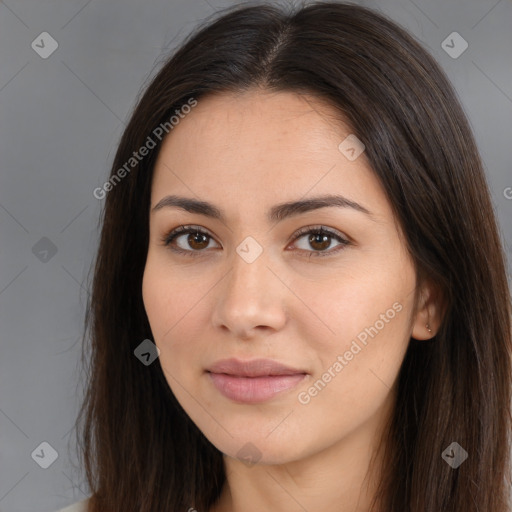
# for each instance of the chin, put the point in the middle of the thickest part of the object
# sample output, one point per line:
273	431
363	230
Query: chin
256	446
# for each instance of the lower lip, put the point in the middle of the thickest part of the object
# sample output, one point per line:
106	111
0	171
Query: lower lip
254	389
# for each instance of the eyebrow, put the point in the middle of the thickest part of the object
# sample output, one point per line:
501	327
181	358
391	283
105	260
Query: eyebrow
276	214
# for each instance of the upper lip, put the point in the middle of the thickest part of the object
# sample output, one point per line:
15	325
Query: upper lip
252	368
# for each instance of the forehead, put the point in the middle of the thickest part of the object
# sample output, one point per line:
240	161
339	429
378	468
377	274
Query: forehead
235	122
261	145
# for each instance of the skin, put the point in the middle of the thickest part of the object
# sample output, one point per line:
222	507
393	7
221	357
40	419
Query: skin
245	153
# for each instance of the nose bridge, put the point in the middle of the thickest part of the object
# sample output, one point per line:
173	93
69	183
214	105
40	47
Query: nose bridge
250	296
249	276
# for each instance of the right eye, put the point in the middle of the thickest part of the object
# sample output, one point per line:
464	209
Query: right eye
196	241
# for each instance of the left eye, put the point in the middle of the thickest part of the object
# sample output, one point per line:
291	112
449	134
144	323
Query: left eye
319	238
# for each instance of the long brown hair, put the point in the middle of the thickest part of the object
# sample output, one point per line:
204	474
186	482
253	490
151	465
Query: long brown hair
140	450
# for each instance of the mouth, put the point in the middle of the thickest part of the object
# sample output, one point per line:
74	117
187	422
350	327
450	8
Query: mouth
253	381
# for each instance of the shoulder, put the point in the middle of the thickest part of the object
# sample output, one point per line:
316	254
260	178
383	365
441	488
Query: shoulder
80	506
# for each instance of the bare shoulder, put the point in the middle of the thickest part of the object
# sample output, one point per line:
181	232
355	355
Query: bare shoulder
80	506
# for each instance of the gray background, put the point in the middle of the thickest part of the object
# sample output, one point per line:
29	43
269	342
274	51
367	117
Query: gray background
61	118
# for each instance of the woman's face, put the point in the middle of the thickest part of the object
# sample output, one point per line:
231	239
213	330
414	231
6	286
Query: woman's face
335	307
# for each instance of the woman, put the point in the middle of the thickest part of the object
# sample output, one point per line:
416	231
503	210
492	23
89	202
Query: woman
300	299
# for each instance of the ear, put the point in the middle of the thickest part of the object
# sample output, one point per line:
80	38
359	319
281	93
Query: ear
429	312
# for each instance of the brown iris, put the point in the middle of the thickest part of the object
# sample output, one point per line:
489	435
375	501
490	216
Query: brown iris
319	238
197	240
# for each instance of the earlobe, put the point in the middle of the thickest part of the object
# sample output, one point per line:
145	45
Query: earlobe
423	332
428	315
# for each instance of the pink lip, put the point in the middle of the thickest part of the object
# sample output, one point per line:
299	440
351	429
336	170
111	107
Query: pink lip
253	381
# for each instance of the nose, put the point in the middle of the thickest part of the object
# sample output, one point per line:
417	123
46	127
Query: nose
251	298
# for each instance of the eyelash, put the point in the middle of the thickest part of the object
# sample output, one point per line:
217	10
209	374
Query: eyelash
315	230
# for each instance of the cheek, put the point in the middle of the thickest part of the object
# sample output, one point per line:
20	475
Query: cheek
167	298
335	310
353	380
358	330
173	308
156	297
